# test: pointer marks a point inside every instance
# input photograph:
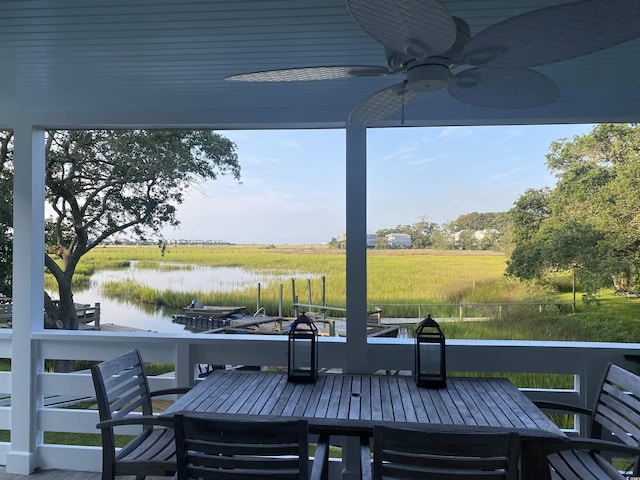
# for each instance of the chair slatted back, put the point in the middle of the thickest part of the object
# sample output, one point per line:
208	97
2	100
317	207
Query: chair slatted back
211	447
618	406
121	387
402	453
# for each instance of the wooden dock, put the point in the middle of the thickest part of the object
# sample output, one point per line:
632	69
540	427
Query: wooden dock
112	327
86	313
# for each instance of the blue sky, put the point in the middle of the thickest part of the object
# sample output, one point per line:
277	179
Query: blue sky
292	189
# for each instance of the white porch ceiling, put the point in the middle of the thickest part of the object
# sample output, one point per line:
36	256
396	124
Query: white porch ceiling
163	63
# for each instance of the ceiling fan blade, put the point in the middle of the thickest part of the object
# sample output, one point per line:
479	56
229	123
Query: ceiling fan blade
418	28
555	33
382	103
311	73
503	88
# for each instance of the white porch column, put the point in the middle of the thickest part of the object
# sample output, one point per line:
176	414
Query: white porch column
28	294
356	354
356	194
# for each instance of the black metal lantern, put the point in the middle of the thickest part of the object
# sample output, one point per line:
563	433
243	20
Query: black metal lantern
431	368
303	350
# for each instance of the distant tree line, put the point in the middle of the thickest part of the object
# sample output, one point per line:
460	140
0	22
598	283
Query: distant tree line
471	231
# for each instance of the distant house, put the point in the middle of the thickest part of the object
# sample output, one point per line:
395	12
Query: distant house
398	240
372	240
487	232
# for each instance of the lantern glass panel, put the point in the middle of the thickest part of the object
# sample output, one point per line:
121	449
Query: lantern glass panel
301	352
430	354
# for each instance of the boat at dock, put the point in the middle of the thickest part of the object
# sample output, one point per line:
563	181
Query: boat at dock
198	309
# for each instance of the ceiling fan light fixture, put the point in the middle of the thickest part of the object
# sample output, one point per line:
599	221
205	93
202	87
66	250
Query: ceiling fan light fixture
428	78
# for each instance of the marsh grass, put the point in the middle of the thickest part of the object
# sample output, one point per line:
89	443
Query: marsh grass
393	277
399	281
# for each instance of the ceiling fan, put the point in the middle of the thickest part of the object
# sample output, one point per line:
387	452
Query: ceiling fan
427	45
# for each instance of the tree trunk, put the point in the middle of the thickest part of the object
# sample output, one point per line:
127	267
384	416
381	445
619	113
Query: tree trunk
621	285
67	319
66	309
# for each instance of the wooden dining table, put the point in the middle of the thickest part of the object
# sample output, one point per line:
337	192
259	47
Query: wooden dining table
351	405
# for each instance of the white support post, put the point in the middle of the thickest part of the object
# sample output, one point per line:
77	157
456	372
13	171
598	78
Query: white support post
28	295
356	213
356	198
184	365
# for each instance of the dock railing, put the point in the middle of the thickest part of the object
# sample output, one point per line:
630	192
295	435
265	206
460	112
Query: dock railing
583	362
472	311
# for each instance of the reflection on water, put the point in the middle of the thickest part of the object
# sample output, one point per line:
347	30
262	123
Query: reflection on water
192	278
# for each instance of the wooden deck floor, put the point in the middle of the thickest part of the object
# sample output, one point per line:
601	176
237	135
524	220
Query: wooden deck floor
63	475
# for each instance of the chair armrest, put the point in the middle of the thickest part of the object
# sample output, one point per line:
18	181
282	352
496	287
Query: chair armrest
320	468
170	391
365	457
593	444
137	420
562	406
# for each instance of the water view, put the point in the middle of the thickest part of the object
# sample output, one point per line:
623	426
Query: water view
179	278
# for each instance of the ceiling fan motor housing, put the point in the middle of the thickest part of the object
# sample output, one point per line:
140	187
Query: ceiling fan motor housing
428	78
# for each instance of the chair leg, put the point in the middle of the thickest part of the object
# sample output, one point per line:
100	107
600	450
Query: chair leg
365	458
320	467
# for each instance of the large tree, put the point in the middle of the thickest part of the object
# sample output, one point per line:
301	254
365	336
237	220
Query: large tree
590	221
102	182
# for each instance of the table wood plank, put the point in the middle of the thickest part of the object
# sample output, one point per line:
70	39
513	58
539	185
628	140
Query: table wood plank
376	399
442	405
532	418
421	414
453	408
325	396
235	398
365	399
218	395
387	405
281	401
470	398
256	388
486	404
309	401
396	400
267	405
503	409
334	398
405	395
355	399
345	400
259	395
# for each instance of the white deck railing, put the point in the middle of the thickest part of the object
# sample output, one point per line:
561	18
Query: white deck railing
584	361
